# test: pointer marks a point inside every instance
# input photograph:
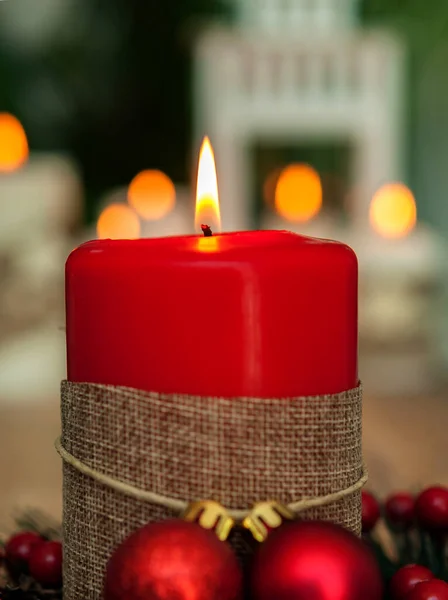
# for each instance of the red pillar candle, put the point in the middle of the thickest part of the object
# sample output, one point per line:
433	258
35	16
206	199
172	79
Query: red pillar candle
258	313
263	314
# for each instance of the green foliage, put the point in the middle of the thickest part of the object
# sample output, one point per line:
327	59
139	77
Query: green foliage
408	8
417	20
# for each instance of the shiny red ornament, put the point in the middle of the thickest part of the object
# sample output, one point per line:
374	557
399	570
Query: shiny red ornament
431	508
313	560
173	559
370	511
45	564
399	510
18	548
406	578
434	589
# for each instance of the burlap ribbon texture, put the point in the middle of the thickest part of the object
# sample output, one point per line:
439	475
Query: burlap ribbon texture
303	452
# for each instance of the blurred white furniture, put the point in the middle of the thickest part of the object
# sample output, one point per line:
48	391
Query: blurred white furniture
40	204
296	71
292	16
400	312
38	200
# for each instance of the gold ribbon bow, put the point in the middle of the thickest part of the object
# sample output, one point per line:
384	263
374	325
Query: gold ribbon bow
210	515
263	517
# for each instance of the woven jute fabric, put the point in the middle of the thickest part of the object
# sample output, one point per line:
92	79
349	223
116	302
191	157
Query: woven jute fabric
237	451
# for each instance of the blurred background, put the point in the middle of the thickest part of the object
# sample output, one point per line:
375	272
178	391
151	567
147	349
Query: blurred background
328	118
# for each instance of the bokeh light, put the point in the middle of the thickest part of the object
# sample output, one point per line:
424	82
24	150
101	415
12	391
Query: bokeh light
393	212
152	194
298	194
118	222
13	143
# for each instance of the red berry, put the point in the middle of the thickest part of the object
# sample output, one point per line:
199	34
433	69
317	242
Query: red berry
399	509
18	548
370	511
435	589
406	578
46	564
431	508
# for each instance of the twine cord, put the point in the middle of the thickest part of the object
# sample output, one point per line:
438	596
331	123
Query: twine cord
181	505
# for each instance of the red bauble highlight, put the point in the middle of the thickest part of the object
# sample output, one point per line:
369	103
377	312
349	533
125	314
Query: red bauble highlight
399	510
313	560
173	559
46	564
18	548
431	508
406	578
434	589
370	511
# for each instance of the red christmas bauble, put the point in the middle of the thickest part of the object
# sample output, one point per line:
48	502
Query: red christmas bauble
46	564
406	578
370	511
313	560
431	508
434	589
399	510
18	548
173	559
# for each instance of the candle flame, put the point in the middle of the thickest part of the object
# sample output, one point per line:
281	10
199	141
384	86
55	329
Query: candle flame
393	212
207	199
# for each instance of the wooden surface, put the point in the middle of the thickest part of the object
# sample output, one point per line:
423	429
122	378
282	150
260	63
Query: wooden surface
30	470
405	446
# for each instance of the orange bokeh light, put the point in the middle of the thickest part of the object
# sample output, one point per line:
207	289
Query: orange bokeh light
152	194
13	143
118	222
207	198
298	194
393	212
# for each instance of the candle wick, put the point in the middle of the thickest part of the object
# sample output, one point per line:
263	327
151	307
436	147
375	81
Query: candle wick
206	230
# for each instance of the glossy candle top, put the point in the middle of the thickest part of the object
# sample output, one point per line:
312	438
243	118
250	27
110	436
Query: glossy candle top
258	313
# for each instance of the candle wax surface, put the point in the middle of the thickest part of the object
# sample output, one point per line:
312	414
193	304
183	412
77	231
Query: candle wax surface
258	313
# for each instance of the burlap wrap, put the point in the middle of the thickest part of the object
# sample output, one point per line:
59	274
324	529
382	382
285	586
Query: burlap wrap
236	451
